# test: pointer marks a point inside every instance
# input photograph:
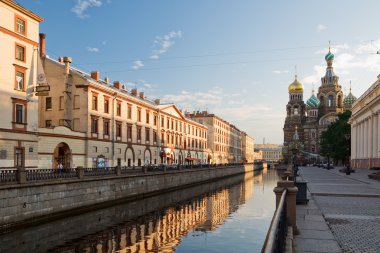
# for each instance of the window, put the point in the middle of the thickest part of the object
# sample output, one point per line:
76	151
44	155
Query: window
138	133
94	101
139	114
118	129
147	117
20	81
129	112
162	122
20	53
106	105
154	136
76	102
155	119
162	138
47	123
94	125
19	114
61	103
106	127
168	123
48	103
19	157
331	101
129	132
118	108
20	25
147	134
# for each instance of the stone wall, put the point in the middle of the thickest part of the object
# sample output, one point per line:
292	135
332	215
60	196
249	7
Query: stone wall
21	204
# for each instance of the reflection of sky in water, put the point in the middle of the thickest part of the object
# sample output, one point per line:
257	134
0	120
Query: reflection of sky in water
245	229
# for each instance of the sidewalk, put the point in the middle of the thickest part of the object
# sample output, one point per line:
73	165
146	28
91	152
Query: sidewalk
343	213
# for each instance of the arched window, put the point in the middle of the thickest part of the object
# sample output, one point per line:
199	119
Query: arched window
331	101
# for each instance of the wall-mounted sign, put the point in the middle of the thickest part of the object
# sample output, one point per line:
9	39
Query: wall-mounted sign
41	88
43	93
30	149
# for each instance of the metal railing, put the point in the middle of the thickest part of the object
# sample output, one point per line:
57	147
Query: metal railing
13	175
275	241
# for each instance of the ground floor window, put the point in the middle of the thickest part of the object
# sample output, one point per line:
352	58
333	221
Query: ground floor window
19	157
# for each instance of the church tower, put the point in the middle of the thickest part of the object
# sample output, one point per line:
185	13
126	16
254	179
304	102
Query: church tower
330	92
295	115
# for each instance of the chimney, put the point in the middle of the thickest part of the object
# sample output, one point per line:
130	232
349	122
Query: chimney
142	96
157	101
60	60
116	84
106	79
135	92
95	75
67	61
42	45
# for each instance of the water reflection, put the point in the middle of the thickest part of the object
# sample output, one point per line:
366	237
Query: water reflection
178	221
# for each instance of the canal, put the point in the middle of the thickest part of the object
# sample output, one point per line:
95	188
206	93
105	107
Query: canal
229	215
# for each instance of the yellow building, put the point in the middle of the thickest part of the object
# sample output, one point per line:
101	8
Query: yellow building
19	31
365	124
248	146
87	121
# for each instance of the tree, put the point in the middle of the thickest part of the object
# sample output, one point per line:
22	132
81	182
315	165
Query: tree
333	142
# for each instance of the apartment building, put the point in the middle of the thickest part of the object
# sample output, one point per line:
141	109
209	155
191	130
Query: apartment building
224	139
248	146
87	121
270	152
19	29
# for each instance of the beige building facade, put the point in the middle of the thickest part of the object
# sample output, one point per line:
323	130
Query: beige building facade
225	140
270	152
248	146
19	35
87	121
365	129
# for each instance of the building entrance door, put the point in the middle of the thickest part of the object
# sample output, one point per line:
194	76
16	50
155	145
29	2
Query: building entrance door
62	155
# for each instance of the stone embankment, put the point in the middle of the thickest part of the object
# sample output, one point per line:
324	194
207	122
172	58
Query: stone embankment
45	200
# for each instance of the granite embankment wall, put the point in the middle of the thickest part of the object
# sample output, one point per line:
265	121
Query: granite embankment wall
28	203
76	232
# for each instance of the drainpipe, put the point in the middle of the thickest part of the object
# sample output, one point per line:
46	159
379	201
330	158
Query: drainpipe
113	129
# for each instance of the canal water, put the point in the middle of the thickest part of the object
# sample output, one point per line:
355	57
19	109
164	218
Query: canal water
229	215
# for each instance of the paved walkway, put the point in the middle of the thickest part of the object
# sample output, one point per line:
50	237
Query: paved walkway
343	213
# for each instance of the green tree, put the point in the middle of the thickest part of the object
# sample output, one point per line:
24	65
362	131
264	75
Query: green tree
333	142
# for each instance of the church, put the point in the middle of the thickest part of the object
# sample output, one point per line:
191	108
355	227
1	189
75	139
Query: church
305	122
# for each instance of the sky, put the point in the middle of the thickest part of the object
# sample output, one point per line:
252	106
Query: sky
232	58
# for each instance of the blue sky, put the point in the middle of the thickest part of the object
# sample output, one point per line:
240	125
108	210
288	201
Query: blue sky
233	58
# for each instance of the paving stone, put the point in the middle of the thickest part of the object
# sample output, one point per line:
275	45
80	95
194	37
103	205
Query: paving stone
315	234
328	246
315	225
314	218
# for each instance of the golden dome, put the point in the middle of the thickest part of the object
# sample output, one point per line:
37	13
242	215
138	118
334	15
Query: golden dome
295	86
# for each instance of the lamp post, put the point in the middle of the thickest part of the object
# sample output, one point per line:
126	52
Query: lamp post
348	139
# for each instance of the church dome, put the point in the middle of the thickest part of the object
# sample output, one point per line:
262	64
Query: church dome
349	100
313	102
329	56
295	86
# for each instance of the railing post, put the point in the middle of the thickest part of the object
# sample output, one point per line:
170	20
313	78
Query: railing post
80	172
290	201
21	175
145	169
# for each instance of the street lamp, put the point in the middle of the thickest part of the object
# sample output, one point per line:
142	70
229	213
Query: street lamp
348	139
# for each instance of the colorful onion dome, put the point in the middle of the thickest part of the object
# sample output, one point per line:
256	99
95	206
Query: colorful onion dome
295	86
349	100
313	102
329	56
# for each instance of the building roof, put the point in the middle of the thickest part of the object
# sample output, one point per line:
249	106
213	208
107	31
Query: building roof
23	10
295	86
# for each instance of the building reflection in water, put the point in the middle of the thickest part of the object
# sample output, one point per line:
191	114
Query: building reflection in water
162	231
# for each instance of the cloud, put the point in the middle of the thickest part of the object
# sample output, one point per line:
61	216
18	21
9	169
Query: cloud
137	64
321	28
162	44
280	72
82	5
350	57
93	49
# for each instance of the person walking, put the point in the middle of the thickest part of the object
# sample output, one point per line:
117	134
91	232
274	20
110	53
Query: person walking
60	168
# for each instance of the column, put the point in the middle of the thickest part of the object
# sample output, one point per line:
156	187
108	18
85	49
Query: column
353	141
361	141
378	136
375	136
369	138
365	138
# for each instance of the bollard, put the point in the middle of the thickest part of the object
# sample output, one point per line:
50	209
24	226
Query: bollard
21	175
118	170
290	201
80	172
